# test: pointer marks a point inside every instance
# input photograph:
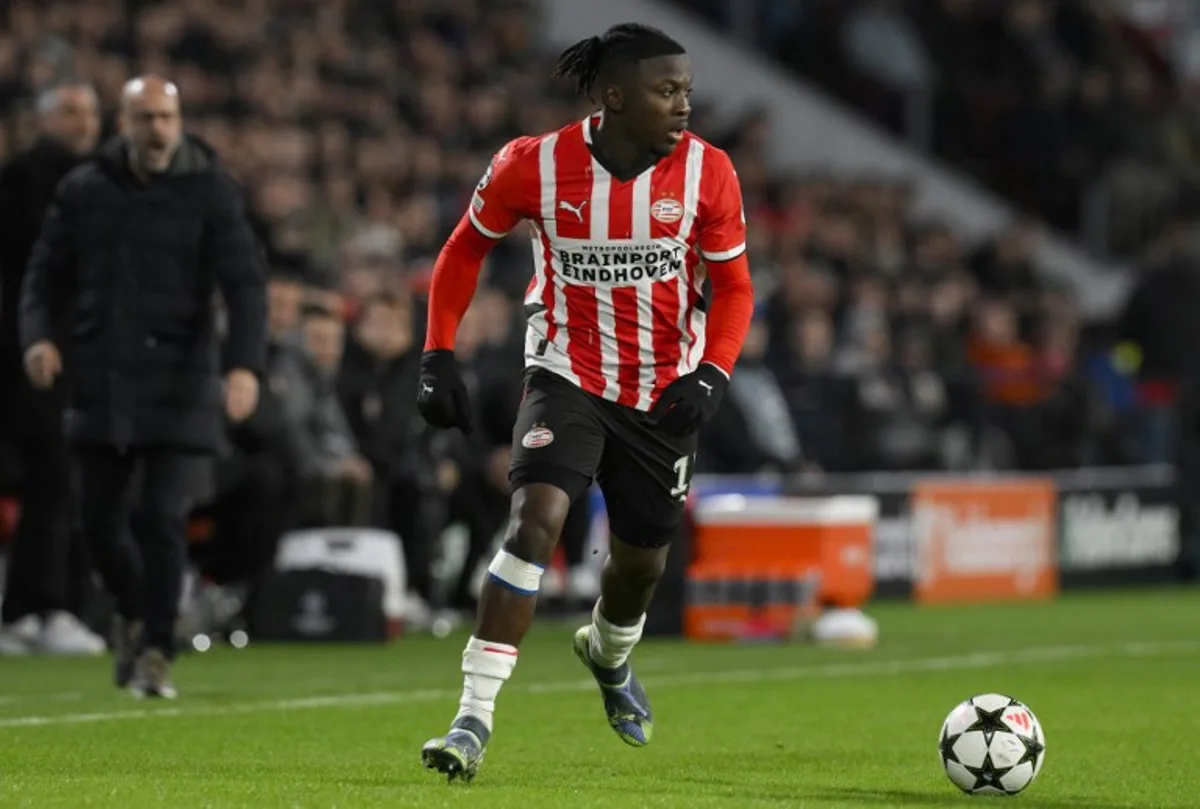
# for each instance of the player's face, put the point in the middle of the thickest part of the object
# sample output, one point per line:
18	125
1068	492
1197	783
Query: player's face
658	106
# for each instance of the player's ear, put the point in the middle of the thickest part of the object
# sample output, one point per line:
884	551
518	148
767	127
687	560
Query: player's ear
612	98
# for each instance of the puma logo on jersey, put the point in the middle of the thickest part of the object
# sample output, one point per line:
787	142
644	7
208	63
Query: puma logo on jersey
563	205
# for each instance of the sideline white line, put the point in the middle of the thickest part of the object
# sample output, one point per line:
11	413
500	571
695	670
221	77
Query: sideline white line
881	668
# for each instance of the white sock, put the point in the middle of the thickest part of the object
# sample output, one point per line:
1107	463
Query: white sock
486	666
609	644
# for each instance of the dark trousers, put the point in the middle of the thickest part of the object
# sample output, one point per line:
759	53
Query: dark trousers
144	574
416	514
253	506
48	565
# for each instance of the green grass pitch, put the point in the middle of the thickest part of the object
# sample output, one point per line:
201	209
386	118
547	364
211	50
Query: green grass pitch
1114	678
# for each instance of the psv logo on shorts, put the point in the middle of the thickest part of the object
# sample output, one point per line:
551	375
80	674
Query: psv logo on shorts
537	437
667	210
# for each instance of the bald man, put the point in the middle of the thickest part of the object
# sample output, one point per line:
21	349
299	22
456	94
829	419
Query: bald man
145	234
48	574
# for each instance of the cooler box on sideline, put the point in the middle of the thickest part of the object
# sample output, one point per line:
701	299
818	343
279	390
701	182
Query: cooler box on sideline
359	554
761	565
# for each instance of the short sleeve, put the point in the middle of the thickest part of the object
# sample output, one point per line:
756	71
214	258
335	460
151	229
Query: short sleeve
503	196
722	222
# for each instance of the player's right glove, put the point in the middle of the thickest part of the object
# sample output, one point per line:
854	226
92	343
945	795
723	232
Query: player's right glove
441	395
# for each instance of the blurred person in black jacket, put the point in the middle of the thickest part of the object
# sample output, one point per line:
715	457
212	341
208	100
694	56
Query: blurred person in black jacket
753	430
1160	330
48	569
816	395
146	233
335	478
255	483
379	372
254	500
899	406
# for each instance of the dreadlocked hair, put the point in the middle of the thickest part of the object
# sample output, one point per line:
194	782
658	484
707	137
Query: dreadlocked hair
630	41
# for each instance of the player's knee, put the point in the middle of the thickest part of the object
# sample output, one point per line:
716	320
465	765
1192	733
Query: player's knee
538	514
520	562
532	537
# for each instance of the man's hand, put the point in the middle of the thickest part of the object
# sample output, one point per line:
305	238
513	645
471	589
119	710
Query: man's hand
448	476
441	394
241	394
43	364
690	401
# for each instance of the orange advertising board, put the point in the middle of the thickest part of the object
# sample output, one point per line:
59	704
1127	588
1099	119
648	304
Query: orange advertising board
984	540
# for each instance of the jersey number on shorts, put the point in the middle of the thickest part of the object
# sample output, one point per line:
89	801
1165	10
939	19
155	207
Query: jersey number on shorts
683	476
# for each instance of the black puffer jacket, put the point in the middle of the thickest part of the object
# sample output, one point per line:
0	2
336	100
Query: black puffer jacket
27	184
142	355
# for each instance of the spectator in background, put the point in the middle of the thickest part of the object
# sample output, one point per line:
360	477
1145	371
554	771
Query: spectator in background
1160	332
815	394
335	478
1013	384
378	375
254	500
48	570
753	430
285	300
135	246
1005	267
899	407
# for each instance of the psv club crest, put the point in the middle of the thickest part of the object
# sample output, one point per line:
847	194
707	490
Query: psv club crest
538	436
667	210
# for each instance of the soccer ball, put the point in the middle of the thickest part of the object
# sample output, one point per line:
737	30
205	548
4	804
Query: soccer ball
992	745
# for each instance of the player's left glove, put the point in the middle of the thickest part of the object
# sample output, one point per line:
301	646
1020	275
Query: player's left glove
690	401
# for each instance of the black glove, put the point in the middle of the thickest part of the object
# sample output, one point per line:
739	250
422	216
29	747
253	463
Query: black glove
690	401
441	394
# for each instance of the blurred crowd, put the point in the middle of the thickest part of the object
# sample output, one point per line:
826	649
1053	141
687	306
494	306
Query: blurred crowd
358	129
1084	113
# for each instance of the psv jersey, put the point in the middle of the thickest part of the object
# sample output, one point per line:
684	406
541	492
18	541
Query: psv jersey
614	304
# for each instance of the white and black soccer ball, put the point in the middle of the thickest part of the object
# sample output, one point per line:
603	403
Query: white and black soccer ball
992	745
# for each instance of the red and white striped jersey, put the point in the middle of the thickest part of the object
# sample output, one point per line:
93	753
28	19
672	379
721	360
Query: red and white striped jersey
614	305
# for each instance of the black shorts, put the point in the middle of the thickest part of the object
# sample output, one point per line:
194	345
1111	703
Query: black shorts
567	437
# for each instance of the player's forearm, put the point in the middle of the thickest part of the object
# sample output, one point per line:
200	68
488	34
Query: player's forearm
730	313
455	277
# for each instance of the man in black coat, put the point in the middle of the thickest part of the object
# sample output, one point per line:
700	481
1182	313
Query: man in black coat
48	570
146	233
